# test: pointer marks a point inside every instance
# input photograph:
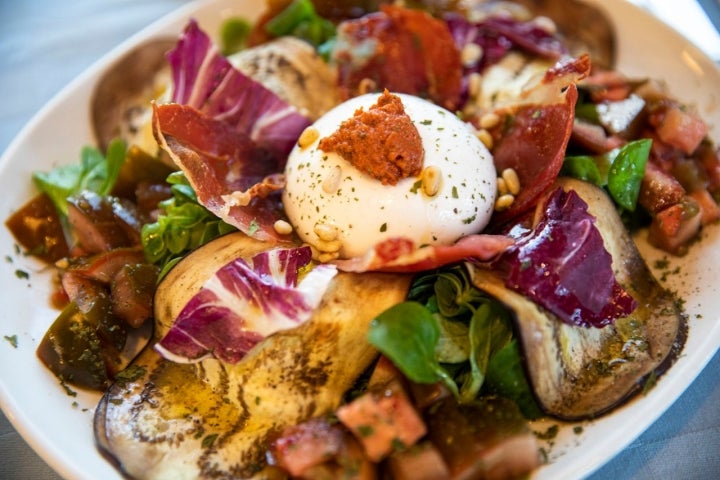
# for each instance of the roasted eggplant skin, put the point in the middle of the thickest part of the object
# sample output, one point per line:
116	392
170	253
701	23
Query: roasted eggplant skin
214	420
581	373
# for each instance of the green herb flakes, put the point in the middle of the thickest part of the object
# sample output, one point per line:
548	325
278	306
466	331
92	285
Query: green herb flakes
12	340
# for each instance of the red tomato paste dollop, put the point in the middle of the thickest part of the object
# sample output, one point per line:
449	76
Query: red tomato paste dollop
381	141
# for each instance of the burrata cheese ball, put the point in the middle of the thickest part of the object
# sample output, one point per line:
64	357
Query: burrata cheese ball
343	211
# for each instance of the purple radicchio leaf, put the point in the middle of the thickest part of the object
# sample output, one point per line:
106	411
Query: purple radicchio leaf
244	302
207	81
496	35
563	265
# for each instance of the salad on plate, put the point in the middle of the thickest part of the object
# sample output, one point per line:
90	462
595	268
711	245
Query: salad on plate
352	241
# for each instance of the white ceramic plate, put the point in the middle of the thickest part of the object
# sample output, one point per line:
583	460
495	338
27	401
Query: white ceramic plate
59	426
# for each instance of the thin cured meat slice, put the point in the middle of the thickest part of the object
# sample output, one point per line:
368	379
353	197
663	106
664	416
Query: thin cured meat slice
402	255
231	176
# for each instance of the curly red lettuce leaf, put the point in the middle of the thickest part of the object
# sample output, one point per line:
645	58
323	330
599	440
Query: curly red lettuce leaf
562	264
244	302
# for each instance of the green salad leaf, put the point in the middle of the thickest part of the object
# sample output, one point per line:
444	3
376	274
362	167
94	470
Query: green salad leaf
619	171
94	172
299	19
505	377
449	331
407	334
182	226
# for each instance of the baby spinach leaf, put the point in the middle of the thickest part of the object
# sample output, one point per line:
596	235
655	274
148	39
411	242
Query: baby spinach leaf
619	171
407	334
627	171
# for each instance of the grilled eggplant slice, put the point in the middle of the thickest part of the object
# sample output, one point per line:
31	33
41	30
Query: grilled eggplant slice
579	373
214	420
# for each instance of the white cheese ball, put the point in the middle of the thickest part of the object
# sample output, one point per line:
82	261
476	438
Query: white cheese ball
326	195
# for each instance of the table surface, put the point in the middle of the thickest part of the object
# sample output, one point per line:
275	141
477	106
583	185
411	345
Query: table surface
44	44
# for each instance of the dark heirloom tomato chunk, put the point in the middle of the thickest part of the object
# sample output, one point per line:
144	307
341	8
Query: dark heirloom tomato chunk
37	228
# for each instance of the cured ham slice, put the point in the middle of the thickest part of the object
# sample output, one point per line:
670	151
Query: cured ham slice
231	176
402	50
535	132
402	255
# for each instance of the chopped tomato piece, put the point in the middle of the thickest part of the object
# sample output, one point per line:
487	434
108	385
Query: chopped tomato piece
421	462
383	420
305	445
682	129
672	228
709	209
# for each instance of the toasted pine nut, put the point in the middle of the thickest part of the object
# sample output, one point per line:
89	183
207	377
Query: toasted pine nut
546	24
327	257
470	54
326	231
367	85
332	181
282	227
501	186
328	247
485	138
504	201
431	178
511	180
308	136
489	120
474	85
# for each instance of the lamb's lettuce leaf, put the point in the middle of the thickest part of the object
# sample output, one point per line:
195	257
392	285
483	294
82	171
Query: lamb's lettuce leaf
94	172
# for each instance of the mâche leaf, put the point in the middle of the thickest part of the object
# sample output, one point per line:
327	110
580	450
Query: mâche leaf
407	333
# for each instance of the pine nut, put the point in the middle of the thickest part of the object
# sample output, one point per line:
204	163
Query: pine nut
308	136
545	23
282	227
485	138
328	247
501	186
327	257
503	202
326	232
471	54
367	85
431	178
474	85
489	120
511	180
332	181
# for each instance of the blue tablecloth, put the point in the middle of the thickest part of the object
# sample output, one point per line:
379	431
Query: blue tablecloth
45	44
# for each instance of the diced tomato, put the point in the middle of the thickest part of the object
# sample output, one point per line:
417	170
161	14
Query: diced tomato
709	209
104	266
36	226
682	129
305	445
383	421
659	190
420	462
671	229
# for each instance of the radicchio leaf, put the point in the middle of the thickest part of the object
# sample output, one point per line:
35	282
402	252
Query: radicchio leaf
244	302
563	265
206	80
496	35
